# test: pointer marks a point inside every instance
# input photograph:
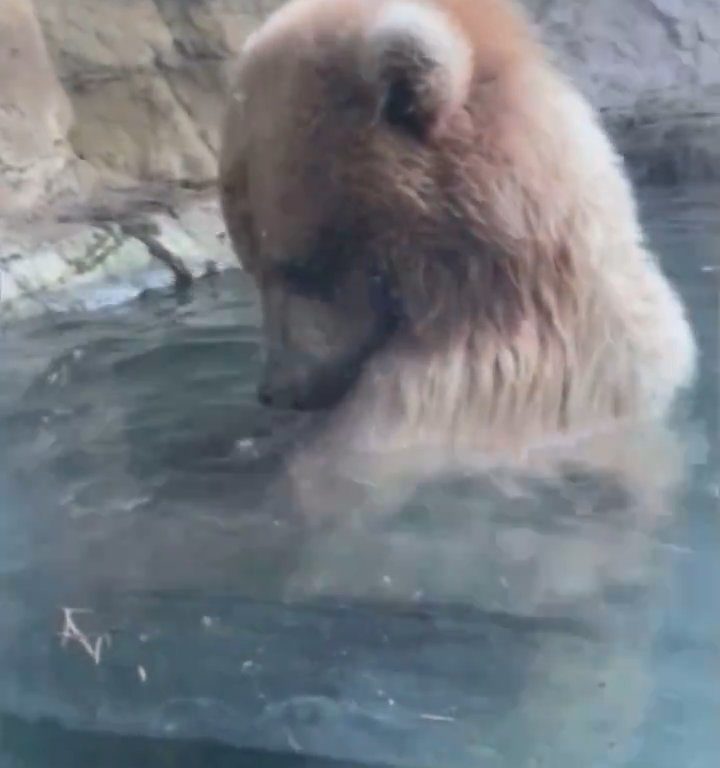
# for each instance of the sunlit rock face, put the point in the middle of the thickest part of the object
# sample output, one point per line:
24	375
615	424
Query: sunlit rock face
115	92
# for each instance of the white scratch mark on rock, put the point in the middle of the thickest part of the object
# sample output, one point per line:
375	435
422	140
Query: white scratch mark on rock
71	631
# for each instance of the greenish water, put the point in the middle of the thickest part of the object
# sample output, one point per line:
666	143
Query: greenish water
473	631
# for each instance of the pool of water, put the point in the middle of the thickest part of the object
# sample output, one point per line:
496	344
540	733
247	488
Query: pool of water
161	604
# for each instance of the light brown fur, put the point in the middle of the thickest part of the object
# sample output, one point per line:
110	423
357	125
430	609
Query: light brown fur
530	305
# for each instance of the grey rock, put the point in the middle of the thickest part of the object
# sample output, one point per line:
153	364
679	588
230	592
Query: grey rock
620	50
653	69
671	137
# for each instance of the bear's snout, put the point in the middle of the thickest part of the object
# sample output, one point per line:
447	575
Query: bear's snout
283	386
313	386
288	397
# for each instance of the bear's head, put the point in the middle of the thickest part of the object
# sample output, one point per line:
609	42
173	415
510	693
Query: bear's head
369	181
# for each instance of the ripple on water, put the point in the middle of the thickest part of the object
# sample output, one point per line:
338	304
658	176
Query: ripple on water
139	480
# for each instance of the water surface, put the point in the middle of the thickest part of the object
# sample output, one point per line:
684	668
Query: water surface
545	630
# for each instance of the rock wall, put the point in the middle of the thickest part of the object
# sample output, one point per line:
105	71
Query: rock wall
621	50
145	79
131	90
116	91
653	68
100	96
35	113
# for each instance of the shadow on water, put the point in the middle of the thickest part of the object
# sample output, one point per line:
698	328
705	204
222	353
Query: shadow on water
39	745
560	625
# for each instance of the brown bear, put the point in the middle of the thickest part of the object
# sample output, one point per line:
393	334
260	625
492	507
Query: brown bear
444	239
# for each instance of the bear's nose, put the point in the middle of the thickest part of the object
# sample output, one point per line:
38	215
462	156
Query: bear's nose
285	398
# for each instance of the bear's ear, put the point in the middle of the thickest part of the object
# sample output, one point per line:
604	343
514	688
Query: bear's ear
421	64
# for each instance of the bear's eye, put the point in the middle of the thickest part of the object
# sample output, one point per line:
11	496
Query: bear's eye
309	279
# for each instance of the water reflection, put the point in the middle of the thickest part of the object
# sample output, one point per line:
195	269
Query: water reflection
499	618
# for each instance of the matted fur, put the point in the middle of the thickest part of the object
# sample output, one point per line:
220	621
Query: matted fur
530	303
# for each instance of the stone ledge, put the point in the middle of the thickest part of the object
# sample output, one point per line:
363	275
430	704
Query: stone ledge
109	254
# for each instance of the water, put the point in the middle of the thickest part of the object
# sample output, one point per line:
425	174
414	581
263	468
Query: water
161	604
